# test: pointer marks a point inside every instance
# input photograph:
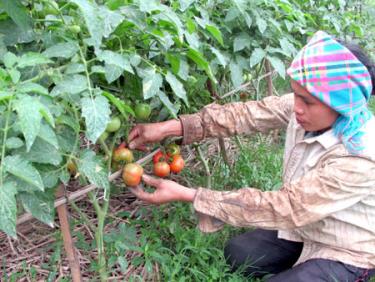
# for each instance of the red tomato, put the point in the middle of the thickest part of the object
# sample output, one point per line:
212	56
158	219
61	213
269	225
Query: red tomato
177	164
159	156
132	174
161	169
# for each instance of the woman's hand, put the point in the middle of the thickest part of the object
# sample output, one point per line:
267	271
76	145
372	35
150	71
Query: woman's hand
145	133
166	191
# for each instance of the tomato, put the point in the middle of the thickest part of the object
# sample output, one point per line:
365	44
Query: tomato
113	125
132	174
123	154
142	111
159	156
162	169
173	149
177	164
72	167
75	29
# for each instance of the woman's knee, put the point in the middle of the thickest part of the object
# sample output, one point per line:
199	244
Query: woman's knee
246	249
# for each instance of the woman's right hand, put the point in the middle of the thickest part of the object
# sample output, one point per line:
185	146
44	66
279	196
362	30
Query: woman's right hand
145	133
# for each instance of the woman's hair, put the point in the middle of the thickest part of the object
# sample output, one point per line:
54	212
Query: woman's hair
363	57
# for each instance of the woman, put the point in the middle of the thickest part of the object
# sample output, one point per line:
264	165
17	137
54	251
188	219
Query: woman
320	226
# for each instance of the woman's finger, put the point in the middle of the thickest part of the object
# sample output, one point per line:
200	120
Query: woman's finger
152	181
134	132
140	193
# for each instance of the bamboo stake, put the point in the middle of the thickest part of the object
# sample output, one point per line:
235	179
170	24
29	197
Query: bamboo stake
86	189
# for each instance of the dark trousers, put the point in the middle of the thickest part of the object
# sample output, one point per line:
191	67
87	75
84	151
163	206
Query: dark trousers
260	252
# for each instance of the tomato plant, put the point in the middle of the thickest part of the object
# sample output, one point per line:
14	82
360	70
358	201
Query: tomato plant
162	169
177	164
132	174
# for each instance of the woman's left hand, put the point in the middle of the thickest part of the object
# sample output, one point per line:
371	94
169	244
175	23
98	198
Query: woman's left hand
166	191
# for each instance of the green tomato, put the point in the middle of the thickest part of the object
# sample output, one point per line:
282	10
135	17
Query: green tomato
113	125
75	29
142	111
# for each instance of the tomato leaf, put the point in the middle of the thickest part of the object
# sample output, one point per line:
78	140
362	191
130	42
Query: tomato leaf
96	112
241	42
94	169
40	205
177	87
100	21
62	50
220	56
236	73
167	103
29	116
278	65
216	33
112	72
32	59
201	62
43	152
262	24
31	87
116	59
22	169
71	85
14	143
119	104
17	11
8	209
151	84
257	56
10	60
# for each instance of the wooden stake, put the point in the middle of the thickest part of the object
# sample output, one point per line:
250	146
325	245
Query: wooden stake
62	212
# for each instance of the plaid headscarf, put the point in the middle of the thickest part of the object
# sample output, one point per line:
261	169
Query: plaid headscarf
331	73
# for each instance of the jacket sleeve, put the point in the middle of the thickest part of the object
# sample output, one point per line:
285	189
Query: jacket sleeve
336	184
237	118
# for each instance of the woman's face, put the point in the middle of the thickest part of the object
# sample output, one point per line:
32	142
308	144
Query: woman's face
311	113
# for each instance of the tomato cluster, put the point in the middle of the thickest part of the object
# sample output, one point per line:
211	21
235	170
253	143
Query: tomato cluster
168	161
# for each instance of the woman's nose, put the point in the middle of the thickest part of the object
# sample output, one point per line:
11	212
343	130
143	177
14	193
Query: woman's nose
298	109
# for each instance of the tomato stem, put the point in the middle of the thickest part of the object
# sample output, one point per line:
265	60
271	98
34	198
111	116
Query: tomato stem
5	135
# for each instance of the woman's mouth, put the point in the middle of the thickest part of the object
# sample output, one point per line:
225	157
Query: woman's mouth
300	121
